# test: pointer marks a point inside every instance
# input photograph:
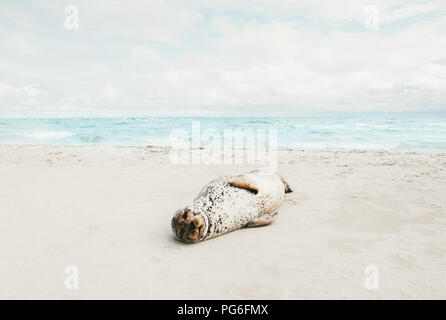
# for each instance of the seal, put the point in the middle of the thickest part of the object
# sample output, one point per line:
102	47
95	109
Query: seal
230	203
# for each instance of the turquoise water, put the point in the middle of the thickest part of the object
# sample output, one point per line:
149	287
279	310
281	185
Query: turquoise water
417	132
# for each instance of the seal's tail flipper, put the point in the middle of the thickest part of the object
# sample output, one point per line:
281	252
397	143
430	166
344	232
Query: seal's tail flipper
288	187
244	182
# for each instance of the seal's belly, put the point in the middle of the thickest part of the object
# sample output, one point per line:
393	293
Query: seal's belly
229	208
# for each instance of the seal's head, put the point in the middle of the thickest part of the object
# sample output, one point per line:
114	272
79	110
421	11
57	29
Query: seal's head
189	226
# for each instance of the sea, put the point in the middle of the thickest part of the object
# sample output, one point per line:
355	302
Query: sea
420	132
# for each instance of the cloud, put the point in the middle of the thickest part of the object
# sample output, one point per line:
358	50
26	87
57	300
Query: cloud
19	98
409	10
109	93
18	43
159	21
222	57
145	55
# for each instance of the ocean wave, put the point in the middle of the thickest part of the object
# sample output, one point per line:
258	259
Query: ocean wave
376	133
258	122
321	132
45	134
88	138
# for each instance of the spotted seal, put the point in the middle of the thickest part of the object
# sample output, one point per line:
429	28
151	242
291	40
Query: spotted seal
230	203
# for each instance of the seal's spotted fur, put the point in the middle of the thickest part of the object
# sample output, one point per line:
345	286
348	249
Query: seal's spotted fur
230	203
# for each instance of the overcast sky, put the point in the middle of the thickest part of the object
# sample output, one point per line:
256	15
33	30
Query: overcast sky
228	57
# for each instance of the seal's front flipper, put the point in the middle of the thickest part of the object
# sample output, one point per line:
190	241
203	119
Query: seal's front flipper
244	182
263	220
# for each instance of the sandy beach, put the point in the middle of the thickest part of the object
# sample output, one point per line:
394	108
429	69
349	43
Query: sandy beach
107	210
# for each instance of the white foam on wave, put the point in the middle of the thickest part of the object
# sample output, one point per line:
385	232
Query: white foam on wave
46	134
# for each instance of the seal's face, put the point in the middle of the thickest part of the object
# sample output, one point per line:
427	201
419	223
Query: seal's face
188	226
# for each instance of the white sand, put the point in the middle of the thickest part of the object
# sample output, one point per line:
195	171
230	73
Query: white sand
108	210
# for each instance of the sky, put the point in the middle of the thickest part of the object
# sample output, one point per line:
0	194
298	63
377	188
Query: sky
223	57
